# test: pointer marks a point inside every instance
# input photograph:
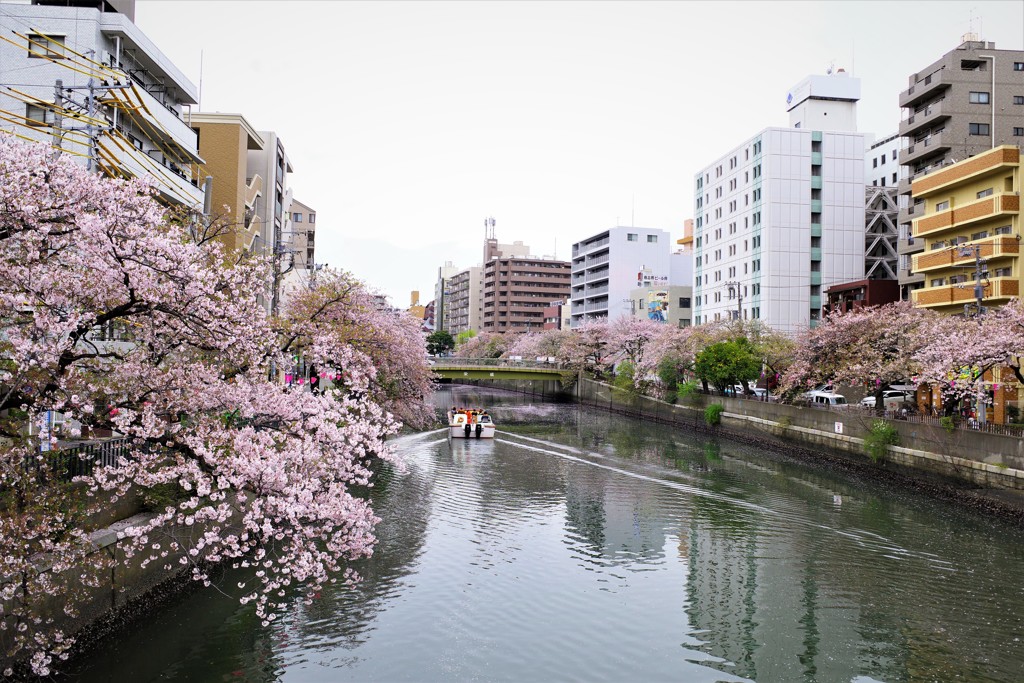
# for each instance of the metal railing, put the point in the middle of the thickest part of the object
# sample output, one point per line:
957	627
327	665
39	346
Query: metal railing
79	460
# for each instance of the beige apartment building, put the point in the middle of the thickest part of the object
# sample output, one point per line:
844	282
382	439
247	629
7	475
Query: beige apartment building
517	290
969	101
224	143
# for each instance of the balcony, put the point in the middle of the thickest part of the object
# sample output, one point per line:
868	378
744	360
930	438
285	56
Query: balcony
999	247
578	278
998	159
815	229
815	206
979	210
815	182
922	120
931	146
997	290
815	253
597	260
172	181
815	277
594	291
815	302
925	89
815	158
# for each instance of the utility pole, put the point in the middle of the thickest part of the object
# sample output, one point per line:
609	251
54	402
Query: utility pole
63	94
979	297
58	116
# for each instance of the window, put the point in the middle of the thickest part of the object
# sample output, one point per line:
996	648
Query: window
651	239
985	193
938	282
883	158
632	237
684	302
757	171
1018	131
979	235
978	128
45	47
1004	230
1018	99
942	206
38	116
1018	66
312	218
1003	272
978	98
894	181
296	218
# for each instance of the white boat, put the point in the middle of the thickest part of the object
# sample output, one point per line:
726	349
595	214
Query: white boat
470	423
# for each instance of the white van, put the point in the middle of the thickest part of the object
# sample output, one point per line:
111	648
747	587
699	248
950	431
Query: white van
826	399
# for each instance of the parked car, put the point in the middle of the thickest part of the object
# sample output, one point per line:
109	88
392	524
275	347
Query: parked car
825	399
892	399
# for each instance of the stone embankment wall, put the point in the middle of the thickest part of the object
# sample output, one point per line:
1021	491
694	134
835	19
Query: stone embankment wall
976	458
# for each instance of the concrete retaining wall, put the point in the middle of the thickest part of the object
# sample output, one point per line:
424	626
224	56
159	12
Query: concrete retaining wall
976	458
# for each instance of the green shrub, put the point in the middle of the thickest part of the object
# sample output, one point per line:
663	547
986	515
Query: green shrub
671	397
624	377
948	423
713	414
878	440
687	391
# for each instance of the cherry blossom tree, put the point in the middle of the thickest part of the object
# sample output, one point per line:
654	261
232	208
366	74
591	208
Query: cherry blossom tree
256	473
587	348
484	345
962	351
335	313
873	347
629	338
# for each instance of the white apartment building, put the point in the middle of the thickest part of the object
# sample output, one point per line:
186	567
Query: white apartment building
86	80
881	161
608	266
780	217
463	297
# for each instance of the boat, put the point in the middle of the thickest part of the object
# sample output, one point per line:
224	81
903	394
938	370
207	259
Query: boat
470	423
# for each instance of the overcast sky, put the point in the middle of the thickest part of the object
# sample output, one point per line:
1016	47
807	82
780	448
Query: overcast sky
409	123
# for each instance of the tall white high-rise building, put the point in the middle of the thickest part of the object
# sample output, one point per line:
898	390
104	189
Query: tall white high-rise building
780	217
608	266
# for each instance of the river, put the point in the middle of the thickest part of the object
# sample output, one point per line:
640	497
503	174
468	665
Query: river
583	546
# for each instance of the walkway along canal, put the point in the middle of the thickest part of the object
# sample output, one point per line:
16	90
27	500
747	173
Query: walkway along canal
580	545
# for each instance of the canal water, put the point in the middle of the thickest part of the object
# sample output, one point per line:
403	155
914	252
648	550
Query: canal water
581	546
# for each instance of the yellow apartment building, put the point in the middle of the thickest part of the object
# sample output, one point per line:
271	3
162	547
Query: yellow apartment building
971	229
225	141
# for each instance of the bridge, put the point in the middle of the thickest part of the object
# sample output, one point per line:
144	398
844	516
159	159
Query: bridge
498	369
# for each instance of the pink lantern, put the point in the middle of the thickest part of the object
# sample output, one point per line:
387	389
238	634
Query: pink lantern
288	378
301	380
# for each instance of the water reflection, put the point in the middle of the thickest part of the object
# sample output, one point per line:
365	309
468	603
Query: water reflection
579	545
